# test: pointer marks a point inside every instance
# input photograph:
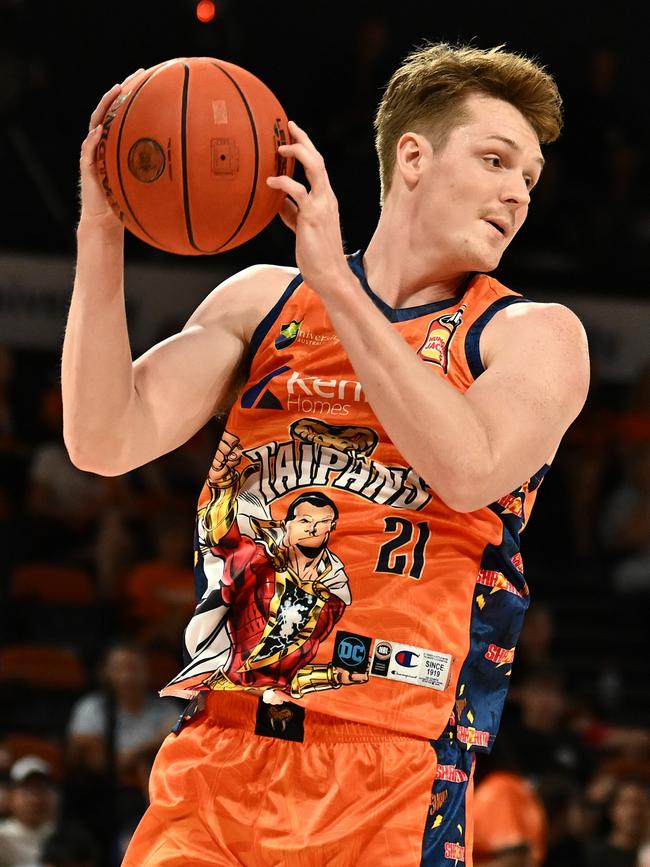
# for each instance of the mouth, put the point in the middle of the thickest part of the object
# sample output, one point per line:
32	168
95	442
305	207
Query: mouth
498	225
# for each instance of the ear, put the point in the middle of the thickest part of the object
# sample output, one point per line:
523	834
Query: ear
413	150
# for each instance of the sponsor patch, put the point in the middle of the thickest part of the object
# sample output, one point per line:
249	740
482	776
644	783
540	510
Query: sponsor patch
352	651
411	664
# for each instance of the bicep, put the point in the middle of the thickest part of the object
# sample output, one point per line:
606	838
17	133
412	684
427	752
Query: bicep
182	381
534	386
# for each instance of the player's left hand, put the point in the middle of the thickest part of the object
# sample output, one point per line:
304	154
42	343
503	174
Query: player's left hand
313	215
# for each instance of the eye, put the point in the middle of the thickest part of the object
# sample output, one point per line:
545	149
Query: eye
494	161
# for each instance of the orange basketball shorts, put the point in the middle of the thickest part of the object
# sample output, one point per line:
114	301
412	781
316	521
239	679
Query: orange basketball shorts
347	795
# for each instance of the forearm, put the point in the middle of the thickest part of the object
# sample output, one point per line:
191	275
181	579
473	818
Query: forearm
97	377
432	424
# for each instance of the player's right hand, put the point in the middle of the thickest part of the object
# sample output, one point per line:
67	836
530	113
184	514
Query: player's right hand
94	202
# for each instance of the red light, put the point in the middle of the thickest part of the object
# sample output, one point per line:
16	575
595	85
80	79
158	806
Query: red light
205	11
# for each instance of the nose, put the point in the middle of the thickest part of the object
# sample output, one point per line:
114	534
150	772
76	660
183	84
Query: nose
515	191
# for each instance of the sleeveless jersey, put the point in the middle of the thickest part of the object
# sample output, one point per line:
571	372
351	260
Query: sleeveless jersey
327	570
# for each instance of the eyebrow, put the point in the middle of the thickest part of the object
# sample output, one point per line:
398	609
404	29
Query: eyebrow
513	144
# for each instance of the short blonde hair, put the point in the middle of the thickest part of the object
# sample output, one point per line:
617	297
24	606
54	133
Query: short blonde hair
425	92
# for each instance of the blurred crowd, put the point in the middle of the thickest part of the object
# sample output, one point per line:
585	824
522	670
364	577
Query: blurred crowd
96	585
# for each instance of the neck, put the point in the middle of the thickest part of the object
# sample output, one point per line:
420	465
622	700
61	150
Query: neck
301	563
402	271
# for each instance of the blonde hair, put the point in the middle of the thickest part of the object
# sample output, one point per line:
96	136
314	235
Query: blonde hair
425	95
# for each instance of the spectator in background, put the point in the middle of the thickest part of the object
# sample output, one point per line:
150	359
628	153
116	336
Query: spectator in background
141	719
5	783
564	809
69	847
7	410
34	802
541	738
630	825
584	460
644	856
626	525
534	650
112	736
159	593
64	504
509	822
633	427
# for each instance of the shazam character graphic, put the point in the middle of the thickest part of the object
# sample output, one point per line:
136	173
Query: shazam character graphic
280	590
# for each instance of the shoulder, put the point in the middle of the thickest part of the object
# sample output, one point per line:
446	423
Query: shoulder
538	316
543	347
245	297
549	329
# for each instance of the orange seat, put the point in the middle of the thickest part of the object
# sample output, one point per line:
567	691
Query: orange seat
53	583
41	665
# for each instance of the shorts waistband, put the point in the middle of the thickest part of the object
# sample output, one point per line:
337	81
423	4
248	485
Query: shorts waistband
239	711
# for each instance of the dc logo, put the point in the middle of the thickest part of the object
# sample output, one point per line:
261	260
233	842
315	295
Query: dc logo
352	651
405	658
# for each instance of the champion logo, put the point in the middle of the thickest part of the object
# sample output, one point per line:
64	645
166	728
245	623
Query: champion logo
407	659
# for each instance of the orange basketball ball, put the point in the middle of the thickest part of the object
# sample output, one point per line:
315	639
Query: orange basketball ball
185	153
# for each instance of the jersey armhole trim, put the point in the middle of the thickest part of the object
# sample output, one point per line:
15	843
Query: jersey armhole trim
473	337
265	325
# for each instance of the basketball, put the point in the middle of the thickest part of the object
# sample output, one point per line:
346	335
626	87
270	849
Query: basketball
185	152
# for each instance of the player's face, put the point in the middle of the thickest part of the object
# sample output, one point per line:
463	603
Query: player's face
310	526
482	176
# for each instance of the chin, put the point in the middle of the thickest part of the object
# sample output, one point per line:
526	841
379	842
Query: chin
485	264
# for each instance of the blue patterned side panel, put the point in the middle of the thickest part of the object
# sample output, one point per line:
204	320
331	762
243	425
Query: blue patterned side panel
500	601
443	843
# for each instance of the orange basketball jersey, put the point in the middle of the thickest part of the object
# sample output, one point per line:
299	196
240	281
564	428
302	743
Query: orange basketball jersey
328	572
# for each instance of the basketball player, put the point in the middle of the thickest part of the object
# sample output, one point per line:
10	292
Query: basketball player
337	700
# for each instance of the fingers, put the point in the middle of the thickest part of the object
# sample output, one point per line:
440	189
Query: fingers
292	188
133	75
302	148
99	113
289	214
89	146
299	135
